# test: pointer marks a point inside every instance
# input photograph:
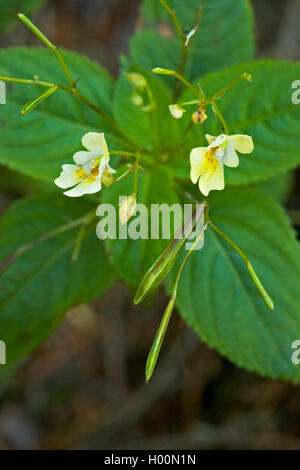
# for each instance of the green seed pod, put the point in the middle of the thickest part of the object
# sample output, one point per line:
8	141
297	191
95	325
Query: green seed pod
159	270
162	71
155	349
28	107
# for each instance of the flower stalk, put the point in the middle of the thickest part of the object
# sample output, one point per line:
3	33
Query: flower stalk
47	43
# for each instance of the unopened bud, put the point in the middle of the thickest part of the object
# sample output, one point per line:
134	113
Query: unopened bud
176	110
199	116
127	208
137	80
247	76
137	99
107	178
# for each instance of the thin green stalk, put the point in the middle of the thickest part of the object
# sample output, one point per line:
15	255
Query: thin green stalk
175	20
180	69
72	88
186	41
136	172
78	95
198	93
32	82
249	266
123	153
220	116
188	103
64	228
220	93
123	175
48	43
78	243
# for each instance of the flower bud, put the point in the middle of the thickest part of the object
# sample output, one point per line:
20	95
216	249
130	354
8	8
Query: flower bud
107	178
137	99
199	116
137	80
247	76
127	208
176	110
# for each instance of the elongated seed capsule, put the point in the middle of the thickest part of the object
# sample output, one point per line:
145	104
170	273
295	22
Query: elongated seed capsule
155	349
161	267
162	71
36	30
28	107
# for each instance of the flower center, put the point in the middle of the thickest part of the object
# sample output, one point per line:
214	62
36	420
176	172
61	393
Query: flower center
211	161
81	173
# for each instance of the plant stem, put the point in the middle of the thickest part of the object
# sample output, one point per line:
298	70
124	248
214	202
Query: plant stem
136	172
48	43
185	41
249	266
73	91
180	69
220	93
126	173
198	93
122	152
220	116
173	15
33	82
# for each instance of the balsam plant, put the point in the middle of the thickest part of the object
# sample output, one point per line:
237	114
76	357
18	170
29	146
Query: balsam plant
195	119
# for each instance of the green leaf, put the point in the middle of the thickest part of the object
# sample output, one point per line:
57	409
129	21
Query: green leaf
279	187
262	109
8	12
132	258
225	36
218	298
38	144
154	131
38	288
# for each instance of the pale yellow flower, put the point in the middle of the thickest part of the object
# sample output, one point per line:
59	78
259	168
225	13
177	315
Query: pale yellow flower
91	167
207	163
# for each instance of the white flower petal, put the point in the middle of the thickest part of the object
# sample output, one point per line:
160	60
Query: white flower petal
230	158
111	170
68	177
94	187
95	141
209	138
209	181
82	157
197	159
102	166
216	141
242	143
84	188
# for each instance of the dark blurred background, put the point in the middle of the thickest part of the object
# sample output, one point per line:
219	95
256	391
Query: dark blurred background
85	387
